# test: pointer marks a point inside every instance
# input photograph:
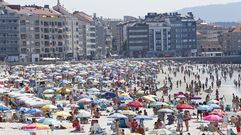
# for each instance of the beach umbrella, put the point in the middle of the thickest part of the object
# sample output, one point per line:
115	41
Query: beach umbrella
35	126
94	90
149	98
83	96
49	121
49	107
165	110
125	98
184	106
218	112
124	95
128	112
85	100
212	118
73	105
110	95
62	114
213	102
204	108
33	111
140	92
135	104
49	91
64	82
214	106
117	116
157	104
83	114
22	109
82	81
181	96
143	117
4	108
161	132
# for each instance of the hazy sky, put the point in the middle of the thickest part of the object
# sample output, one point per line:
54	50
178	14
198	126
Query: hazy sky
118	8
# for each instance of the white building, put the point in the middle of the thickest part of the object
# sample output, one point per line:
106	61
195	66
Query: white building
89	34
42	33
74	42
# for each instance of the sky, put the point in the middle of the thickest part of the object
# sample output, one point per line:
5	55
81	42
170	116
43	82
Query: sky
119	8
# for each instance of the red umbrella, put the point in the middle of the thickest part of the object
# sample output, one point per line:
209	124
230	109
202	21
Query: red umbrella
218	112
135	104
184	106
213	118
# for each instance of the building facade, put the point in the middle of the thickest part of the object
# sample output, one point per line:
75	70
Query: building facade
42	33
74	39
208	43
88	34
138	39
159	39
9	34
231	41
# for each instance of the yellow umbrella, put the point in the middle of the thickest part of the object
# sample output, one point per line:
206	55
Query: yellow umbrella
149	98
48	108
62	113
124	95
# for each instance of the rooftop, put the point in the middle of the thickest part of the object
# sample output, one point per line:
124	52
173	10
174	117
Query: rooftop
34	10
82	16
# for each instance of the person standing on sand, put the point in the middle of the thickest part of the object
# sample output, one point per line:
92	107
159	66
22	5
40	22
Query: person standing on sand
179	121
186	119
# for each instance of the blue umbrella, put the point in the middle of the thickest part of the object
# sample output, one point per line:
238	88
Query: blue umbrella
4	108
33	111
215	106
124	98
143	117
110	95
204	108
22	109
65	82
49	121
117	116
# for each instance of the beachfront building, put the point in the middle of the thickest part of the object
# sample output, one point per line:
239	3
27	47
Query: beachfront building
159	39
103	37
9	33
208	39
88	30
112	23
231	41
74	36
42	33
137	39
182	32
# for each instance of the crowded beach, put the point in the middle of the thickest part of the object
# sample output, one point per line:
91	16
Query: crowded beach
120	97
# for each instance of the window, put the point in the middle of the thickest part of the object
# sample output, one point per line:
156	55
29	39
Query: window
60	43
37	36
24	43
36	29
37	43
22	22
60	49
23	36
37	50
36	22
46	50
